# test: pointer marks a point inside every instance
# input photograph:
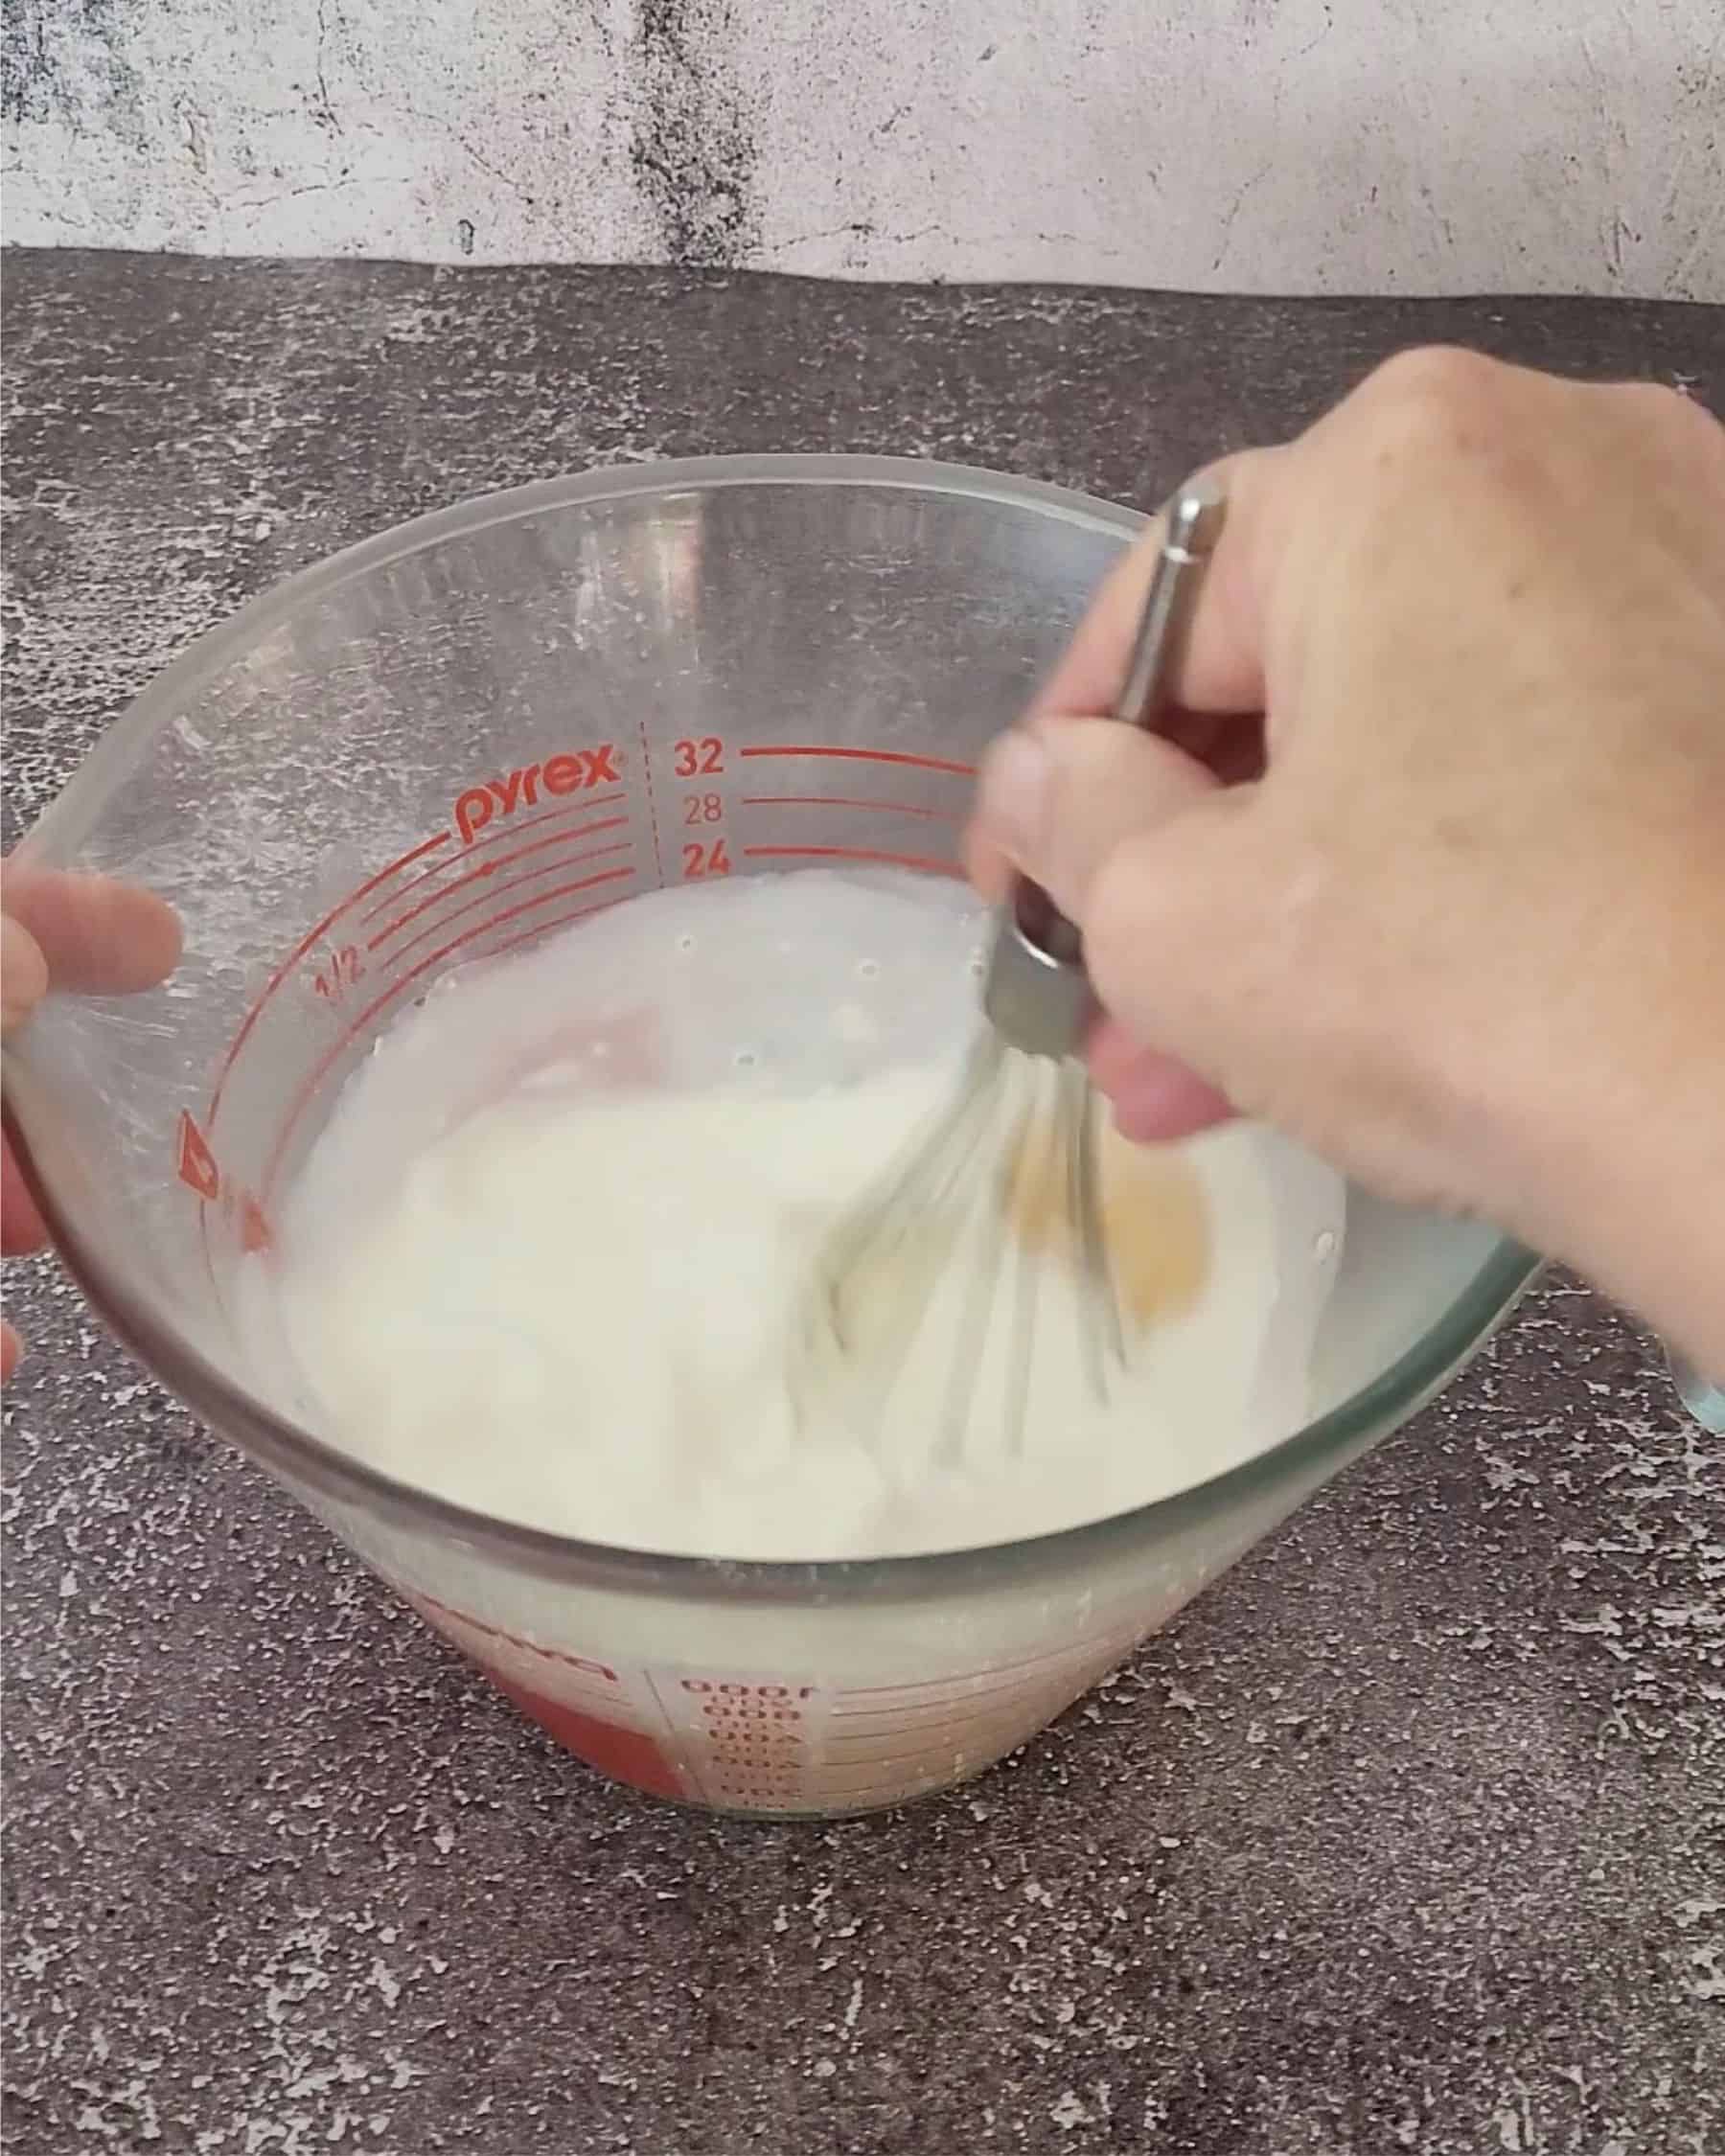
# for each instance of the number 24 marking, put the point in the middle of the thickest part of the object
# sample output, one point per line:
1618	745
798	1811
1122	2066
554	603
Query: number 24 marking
712	860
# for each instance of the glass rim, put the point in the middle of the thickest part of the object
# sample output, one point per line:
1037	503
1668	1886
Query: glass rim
305	1460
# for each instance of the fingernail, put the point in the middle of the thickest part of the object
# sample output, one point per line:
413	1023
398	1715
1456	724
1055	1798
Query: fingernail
1015	793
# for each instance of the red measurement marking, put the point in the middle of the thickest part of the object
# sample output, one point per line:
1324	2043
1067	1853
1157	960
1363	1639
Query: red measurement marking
1078	1651
627	1756
872	756
299	951
481	846
494	868
198	1168
576	772
944	1704
935	1732
840	801
894	1791
988	1743
320	1070
428	1606
544	928
254	1228
658	858
739	1692
515	883
853	853
712	859
342	972
693	759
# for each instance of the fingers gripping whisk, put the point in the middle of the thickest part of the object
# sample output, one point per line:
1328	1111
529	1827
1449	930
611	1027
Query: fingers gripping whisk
983	1258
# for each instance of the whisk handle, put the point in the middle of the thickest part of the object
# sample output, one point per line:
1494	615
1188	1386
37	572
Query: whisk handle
1036	994
1191	527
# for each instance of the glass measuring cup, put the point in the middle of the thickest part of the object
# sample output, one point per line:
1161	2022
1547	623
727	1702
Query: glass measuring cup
460	736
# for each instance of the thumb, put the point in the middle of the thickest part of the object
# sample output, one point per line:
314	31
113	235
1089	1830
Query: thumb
1057	795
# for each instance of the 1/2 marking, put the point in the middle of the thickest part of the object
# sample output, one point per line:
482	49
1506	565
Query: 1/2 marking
710	860
344	971
698	759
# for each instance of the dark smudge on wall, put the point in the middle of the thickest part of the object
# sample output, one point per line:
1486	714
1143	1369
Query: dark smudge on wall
82	78
693	145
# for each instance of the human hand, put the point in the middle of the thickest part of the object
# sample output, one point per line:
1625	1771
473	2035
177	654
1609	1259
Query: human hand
1460	925
84	933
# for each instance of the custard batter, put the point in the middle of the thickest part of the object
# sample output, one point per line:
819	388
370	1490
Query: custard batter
551	1257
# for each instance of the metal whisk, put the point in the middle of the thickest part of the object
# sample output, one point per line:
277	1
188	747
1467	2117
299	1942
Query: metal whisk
1001	1195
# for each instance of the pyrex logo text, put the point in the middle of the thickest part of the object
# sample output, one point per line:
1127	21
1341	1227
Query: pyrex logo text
521	787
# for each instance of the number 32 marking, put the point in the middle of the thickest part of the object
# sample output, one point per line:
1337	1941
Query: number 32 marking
696	759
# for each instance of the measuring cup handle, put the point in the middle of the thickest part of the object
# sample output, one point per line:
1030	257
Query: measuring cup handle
1704	1400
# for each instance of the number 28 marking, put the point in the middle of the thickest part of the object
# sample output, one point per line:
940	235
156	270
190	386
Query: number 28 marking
696	759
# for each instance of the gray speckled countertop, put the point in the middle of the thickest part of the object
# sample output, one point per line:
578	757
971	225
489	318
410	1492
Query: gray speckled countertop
1407	1836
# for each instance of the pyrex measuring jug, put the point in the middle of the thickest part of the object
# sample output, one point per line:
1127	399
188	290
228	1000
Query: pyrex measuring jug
465	735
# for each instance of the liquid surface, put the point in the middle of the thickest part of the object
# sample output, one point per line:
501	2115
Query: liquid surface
557	1254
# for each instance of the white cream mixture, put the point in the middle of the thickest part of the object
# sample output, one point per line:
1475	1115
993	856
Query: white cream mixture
551	1257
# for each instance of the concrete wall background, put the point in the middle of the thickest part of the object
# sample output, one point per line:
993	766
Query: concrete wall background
1413	146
